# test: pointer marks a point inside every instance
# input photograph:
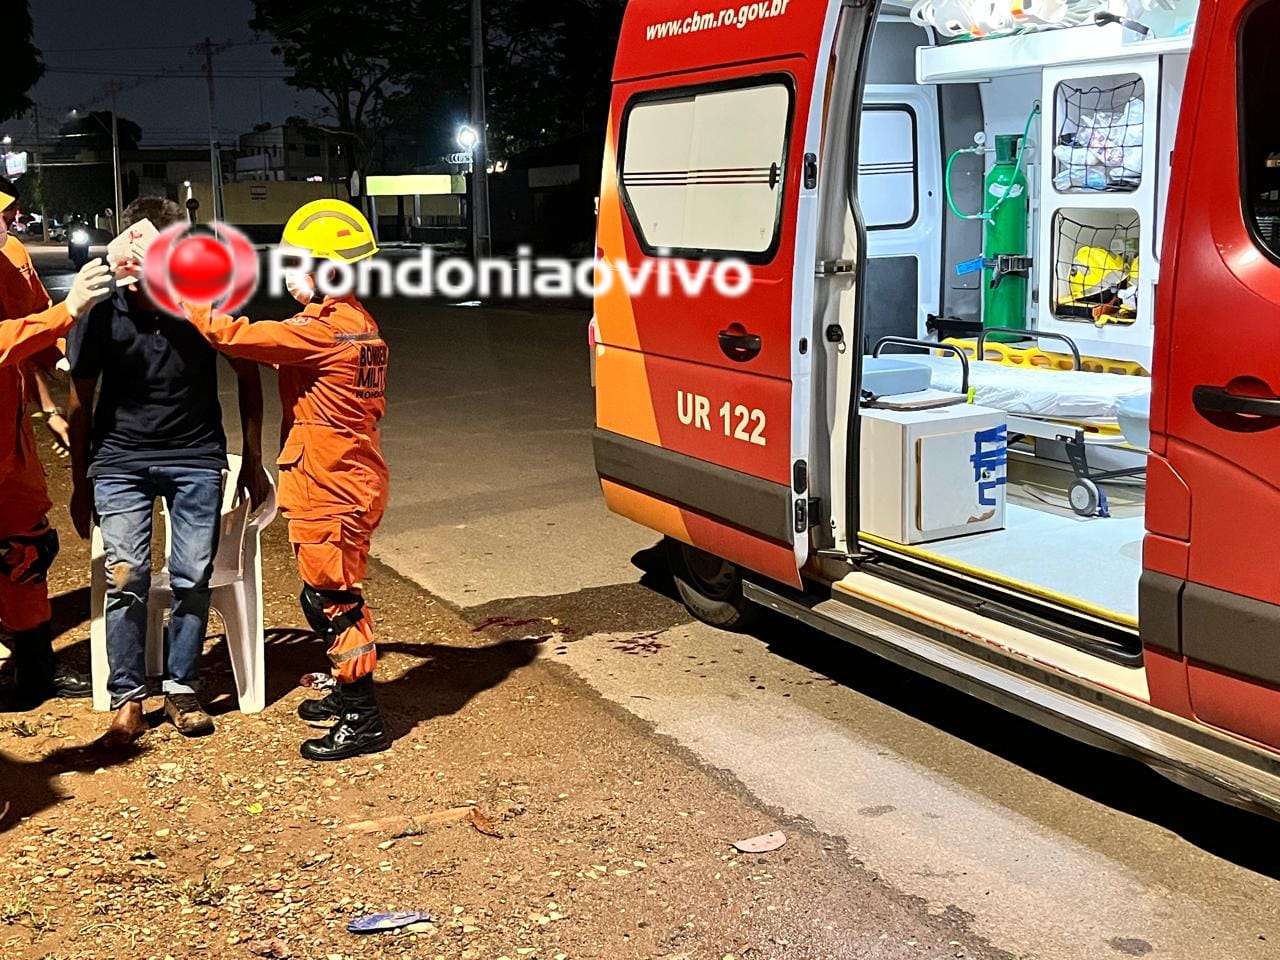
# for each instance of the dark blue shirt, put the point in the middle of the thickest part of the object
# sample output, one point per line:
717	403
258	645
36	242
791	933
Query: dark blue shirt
158	399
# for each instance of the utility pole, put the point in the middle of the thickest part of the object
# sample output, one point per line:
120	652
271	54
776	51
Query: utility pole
215	163
115	157
479	153
44	219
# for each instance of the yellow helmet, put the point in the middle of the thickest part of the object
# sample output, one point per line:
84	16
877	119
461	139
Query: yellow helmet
5	200
333	229
1093	270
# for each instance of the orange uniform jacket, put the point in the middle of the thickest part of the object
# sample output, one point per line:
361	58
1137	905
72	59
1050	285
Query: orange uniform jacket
23	337
28	326
333	365
333	481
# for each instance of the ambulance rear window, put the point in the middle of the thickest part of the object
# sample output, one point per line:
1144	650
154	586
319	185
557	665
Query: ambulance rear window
1259	132
702	169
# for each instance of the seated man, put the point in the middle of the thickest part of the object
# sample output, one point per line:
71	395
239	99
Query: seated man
156	433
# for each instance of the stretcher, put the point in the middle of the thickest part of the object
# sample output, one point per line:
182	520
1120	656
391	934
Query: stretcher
1076	408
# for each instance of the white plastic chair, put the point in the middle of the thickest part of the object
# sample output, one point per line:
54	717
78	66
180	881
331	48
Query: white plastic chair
236	587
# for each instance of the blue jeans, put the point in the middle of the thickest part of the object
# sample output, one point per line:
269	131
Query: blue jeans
124	504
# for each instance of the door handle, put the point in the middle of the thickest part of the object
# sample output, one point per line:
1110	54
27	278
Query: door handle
1234	411
737	344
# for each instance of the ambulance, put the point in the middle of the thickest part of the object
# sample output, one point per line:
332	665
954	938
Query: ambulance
1000	400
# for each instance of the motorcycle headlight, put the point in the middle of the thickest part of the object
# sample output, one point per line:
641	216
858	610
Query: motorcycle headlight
80	237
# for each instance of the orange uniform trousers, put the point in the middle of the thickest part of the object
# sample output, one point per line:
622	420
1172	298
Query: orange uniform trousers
24	505
333	554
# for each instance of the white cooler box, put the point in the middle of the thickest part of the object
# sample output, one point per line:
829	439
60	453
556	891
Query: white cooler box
928	474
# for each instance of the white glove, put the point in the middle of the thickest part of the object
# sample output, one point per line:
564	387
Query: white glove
92	285
300	285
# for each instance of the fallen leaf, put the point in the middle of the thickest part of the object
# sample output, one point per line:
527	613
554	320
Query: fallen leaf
484	824
761	844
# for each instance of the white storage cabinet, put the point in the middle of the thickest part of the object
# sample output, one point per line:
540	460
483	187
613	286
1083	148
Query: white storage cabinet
930	474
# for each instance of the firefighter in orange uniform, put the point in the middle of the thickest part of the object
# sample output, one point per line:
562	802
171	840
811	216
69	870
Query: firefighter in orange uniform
28	544
332	365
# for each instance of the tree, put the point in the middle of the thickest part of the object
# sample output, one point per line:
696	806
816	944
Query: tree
555	54
81	189
395	73
22	63
355	54
547	73
92	131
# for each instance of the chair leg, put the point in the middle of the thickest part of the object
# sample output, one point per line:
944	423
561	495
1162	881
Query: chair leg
257	631
157	603
100	668
235	605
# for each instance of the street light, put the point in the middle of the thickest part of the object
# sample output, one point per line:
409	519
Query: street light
473	149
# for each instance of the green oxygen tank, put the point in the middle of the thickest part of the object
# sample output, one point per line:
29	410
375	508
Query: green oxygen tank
1006	234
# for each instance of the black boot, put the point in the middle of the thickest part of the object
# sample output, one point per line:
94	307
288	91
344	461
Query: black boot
37	674
358	730
327	708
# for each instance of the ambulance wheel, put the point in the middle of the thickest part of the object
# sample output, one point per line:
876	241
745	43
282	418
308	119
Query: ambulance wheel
710	587
1084	497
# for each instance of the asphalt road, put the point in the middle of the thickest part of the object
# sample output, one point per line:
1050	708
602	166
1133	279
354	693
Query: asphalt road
1046	848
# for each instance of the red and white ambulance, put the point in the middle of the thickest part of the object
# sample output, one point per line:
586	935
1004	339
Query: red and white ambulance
1000	403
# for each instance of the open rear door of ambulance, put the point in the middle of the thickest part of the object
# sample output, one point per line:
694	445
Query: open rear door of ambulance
703	399
1210	599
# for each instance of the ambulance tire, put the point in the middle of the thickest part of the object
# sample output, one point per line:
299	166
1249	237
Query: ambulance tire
710	587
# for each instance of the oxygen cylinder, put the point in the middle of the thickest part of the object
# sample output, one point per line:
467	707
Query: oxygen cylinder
1006	234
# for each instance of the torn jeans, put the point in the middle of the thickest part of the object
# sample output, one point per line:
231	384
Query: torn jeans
124	504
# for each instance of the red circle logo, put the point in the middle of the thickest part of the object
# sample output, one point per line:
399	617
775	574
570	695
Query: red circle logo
215	264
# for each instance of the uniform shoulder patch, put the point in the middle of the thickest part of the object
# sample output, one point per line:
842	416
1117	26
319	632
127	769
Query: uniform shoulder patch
301	320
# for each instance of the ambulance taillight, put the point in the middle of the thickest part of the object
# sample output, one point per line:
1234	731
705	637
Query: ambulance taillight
591	347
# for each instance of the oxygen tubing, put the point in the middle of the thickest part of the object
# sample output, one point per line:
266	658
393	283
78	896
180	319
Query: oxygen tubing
985	214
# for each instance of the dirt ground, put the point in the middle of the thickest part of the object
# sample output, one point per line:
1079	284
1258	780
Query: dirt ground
529	818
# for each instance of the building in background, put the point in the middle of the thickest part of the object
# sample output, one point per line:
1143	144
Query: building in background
165	171
261	208
293	150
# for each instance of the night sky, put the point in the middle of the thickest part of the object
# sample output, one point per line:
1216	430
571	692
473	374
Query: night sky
84	42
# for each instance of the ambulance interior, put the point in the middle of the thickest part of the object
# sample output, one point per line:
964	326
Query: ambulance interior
1014	456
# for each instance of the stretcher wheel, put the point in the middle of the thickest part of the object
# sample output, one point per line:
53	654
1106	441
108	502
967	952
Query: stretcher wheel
710	587
1084	497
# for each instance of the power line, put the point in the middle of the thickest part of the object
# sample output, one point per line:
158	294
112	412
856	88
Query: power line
161	46
237	73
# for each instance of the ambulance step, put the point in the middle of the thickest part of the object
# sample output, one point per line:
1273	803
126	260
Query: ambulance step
971	628
1217	765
